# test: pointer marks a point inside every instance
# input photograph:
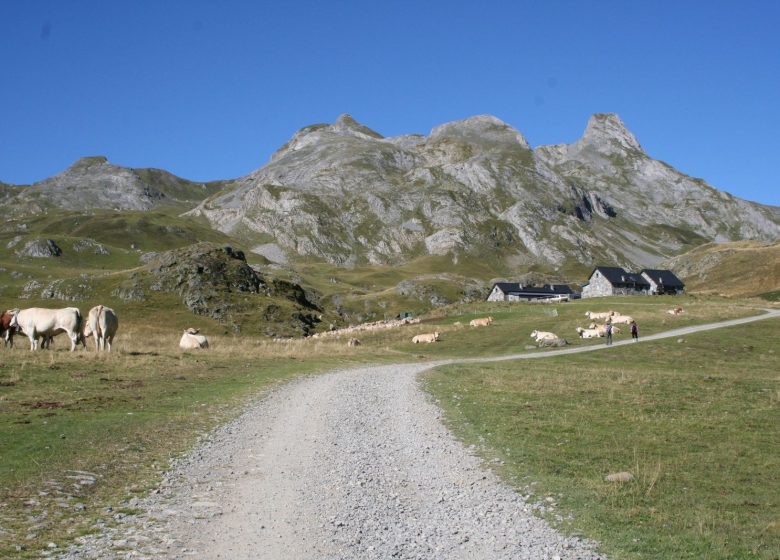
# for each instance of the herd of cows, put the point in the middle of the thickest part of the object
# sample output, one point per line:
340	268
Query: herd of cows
40	325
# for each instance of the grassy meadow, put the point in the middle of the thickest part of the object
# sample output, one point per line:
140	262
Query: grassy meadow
122	416
696	422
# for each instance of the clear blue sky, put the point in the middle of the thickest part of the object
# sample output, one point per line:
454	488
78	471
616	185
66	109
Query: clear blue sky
209	90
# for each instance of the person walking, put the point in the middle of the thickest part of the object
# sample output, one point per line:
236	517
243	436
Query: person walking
634	331
609	333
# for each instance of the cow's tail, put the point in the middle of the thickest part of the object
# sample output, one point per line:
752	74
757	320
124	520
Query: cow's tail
80	329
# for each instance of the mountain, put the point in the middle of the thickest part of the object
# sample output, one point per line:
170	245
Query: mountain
475	188
94	182
739	269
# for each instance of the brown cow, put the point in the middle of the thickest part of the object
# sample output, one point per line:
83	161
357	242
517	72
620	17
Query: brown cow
6	331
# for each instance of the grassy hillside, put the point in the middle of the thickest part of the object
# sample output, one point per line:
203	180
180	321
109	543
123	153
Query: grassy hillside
697	423
742	269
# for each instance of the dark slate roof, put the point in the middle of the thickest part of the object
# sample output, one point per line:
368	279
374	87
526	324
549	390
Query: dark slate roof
664	277
614	274
547	289
618	276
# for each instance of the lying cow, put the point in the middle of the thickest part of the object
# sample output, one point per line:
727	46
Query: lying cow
626	319
538	336
191	340
484	322
675	311
6	331
588	333
102	323
602	328
37	322
605	315
430	337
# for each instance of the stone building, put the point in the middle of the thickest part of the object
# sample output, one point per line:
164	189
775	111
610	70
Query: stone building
513	291
614	281
663	282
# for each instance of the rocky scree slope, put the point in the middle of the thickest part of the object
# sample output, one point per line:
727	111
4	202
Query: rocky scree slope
345	194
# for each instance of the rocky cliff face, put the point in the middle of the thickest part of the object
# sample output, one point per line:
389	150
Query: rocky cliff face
343	193
94	182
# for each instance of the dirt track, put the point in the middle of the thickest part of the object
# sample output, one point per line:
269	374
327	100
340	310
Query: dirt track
350	465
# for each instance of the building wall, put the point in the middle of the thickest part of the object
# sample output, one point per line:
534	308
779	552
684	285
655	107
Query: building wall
598	286
496	295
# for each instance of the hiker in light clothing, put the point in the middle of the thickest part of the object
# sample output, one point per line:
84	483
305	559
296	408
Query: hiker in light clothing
609	333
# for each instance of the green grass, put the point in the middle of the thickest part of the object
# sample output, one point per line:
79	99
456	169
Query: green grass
697	423
123	416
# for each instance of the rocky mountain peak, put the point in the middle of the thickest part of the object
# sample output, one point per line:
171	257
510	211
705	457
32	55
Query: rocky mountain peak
345	124
607	132
89	161
480	128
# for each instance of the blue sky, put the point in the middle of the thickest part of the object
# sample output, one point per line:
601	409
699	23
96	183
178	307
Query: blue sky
209	90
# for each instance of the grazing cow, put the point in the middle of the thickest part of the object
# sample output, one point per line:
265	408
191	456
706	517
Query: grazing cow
484	322
102	323
603	328
37	322
588	333
6	331
538	336
605	315
191	340
627	319
552	342
430	337
353	342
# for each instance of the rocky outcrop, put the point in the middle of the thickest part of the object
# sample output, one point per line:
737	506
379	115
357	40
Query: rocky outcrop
347	195
40	248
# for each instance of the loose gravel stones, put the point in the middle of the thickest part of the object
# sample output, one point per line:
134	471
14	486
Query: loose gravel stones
349	465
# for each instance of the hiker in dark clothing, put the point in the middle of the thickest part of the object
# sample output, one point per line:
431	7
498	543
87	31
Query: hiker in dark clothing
609	333
634	331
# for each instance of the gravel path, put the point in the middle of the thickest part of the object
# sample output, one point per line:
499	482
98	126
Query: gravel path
350	465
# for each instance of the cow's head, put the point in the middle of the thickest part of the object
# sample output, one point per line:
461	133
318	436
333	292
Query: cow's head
191	331
14	324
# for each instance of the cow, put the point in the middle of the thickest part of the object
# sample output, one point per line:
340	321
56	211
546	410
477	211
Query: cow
484	322
602	328
604	315
627	319
102	323
430	337
38	322
538	336
191	340
353	342
6	331
588	333
675	311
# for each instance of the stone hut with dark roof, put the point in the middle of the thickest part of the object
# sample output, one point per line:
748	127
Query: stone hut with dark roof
513	291
663	282
614	281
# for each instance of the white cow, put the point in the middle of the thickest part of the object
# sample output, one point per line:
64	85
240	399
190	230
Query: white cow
602	328
102	323
37	322
627	319
588	333
604	315
430	337
191	340
538	336
484	322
